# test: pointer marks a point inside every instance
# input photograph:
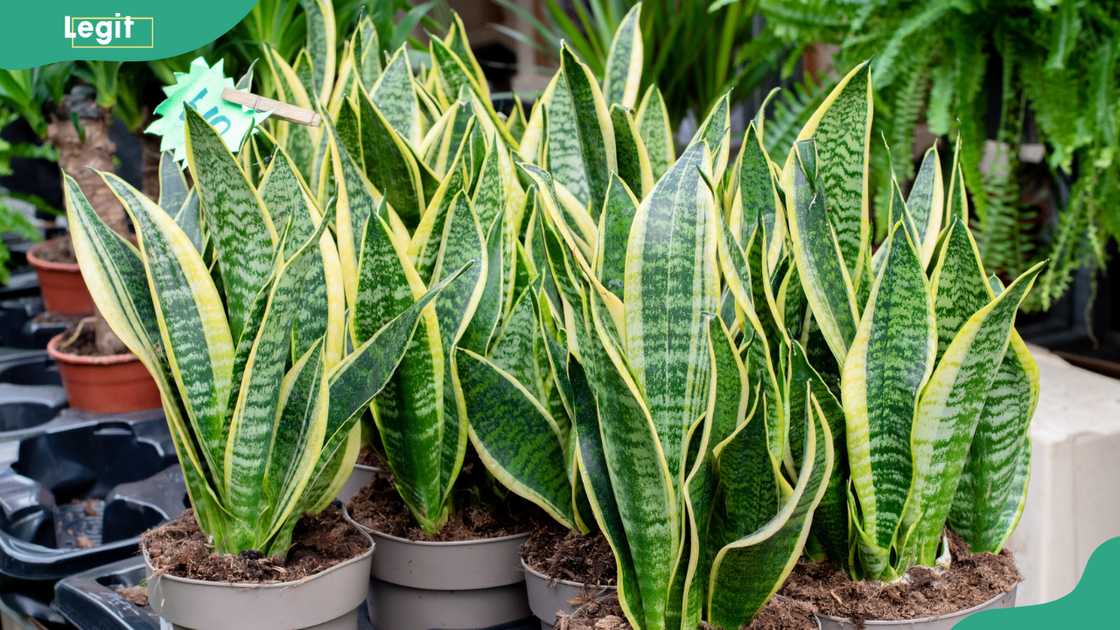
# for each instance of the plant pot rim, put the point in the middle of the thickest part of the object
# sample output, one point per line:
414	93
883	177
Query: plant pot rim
574	584
267	585
39	263
442	543
918	620
80	359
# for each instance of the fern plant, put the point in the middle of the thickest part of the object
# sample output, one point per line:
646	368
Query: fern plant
1009	71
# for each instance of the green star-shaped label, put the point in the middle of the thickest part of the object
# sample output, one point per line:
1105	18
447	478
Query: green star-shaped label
201	88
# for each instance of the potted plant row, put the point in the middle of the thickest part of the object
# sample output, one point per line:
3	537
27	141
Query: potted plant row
682	358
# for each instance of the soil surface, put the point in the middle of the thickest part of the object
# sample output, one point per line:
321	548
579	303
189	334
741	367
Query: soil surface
57	250
137	595
605	613
971	580
564	554
600	613
319	542
91	337
370	457
379	507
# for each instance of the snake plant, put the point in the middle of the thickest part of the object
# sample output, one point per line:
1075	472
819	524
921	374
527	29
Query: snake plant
243	334
913	344
671	415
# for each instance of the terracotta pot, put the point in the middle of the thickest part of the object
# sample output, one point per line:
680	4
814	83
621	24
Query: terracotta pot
63	288
117	383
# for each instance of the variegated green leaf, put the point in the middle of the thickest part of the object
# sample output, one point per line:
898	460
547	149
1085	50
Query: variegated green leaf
392	168
756	202
959	284
239	224
841	131
173	187
633	160
926	204
624	61
820	264
395	97
890	361
194	335
671	282
948	412
656	131
615	220
515	436
747	572
321	45
993	486
715	132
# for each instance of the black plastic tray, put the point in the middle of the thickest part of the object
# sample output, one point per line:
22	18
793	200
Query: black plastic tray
90	600
80	496
18	328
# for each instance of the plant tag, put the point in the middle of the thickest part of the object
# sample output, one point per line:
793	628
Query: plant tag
202	88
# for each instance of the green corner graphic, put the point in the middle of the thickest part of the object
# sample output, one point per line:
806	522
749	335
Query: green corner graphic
1090	605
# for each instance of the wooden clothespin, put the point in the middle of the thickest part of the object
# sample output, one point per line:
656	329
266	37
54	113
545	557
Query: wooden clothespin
279	109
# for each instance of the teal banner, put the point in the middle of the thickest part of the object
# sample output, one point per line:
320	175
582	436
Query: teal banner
46	31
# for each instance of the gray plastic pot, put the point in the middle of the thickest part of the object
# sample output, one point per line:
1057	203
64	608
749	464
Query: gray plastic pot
940	622
548	596
359	478
329	600
471	584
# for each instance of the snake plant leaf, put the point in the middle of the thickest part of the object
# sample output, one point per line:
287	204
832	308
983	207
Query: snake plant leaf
484	325
841	131
958	282
830	520
356	202
948	413
454	77
517	121
757	201
642	482
367	52
715	133
956	199
926	204
459	44
395	97
633	160
513	349
671	282
747	572
624	60
595	474
818	254
256	407
346	128
615	220
426	239
395	172
446	137
515	436
173	187
235	216
993	486
728	401
889	363
291	88
298	424
189	219
114	272
321	43
656	131
581	151
194	334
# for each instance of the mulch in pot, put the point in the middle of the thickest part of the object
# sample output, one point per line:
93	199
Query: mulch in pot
605	613
319	542
563	554
379	507
971	579
57	250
